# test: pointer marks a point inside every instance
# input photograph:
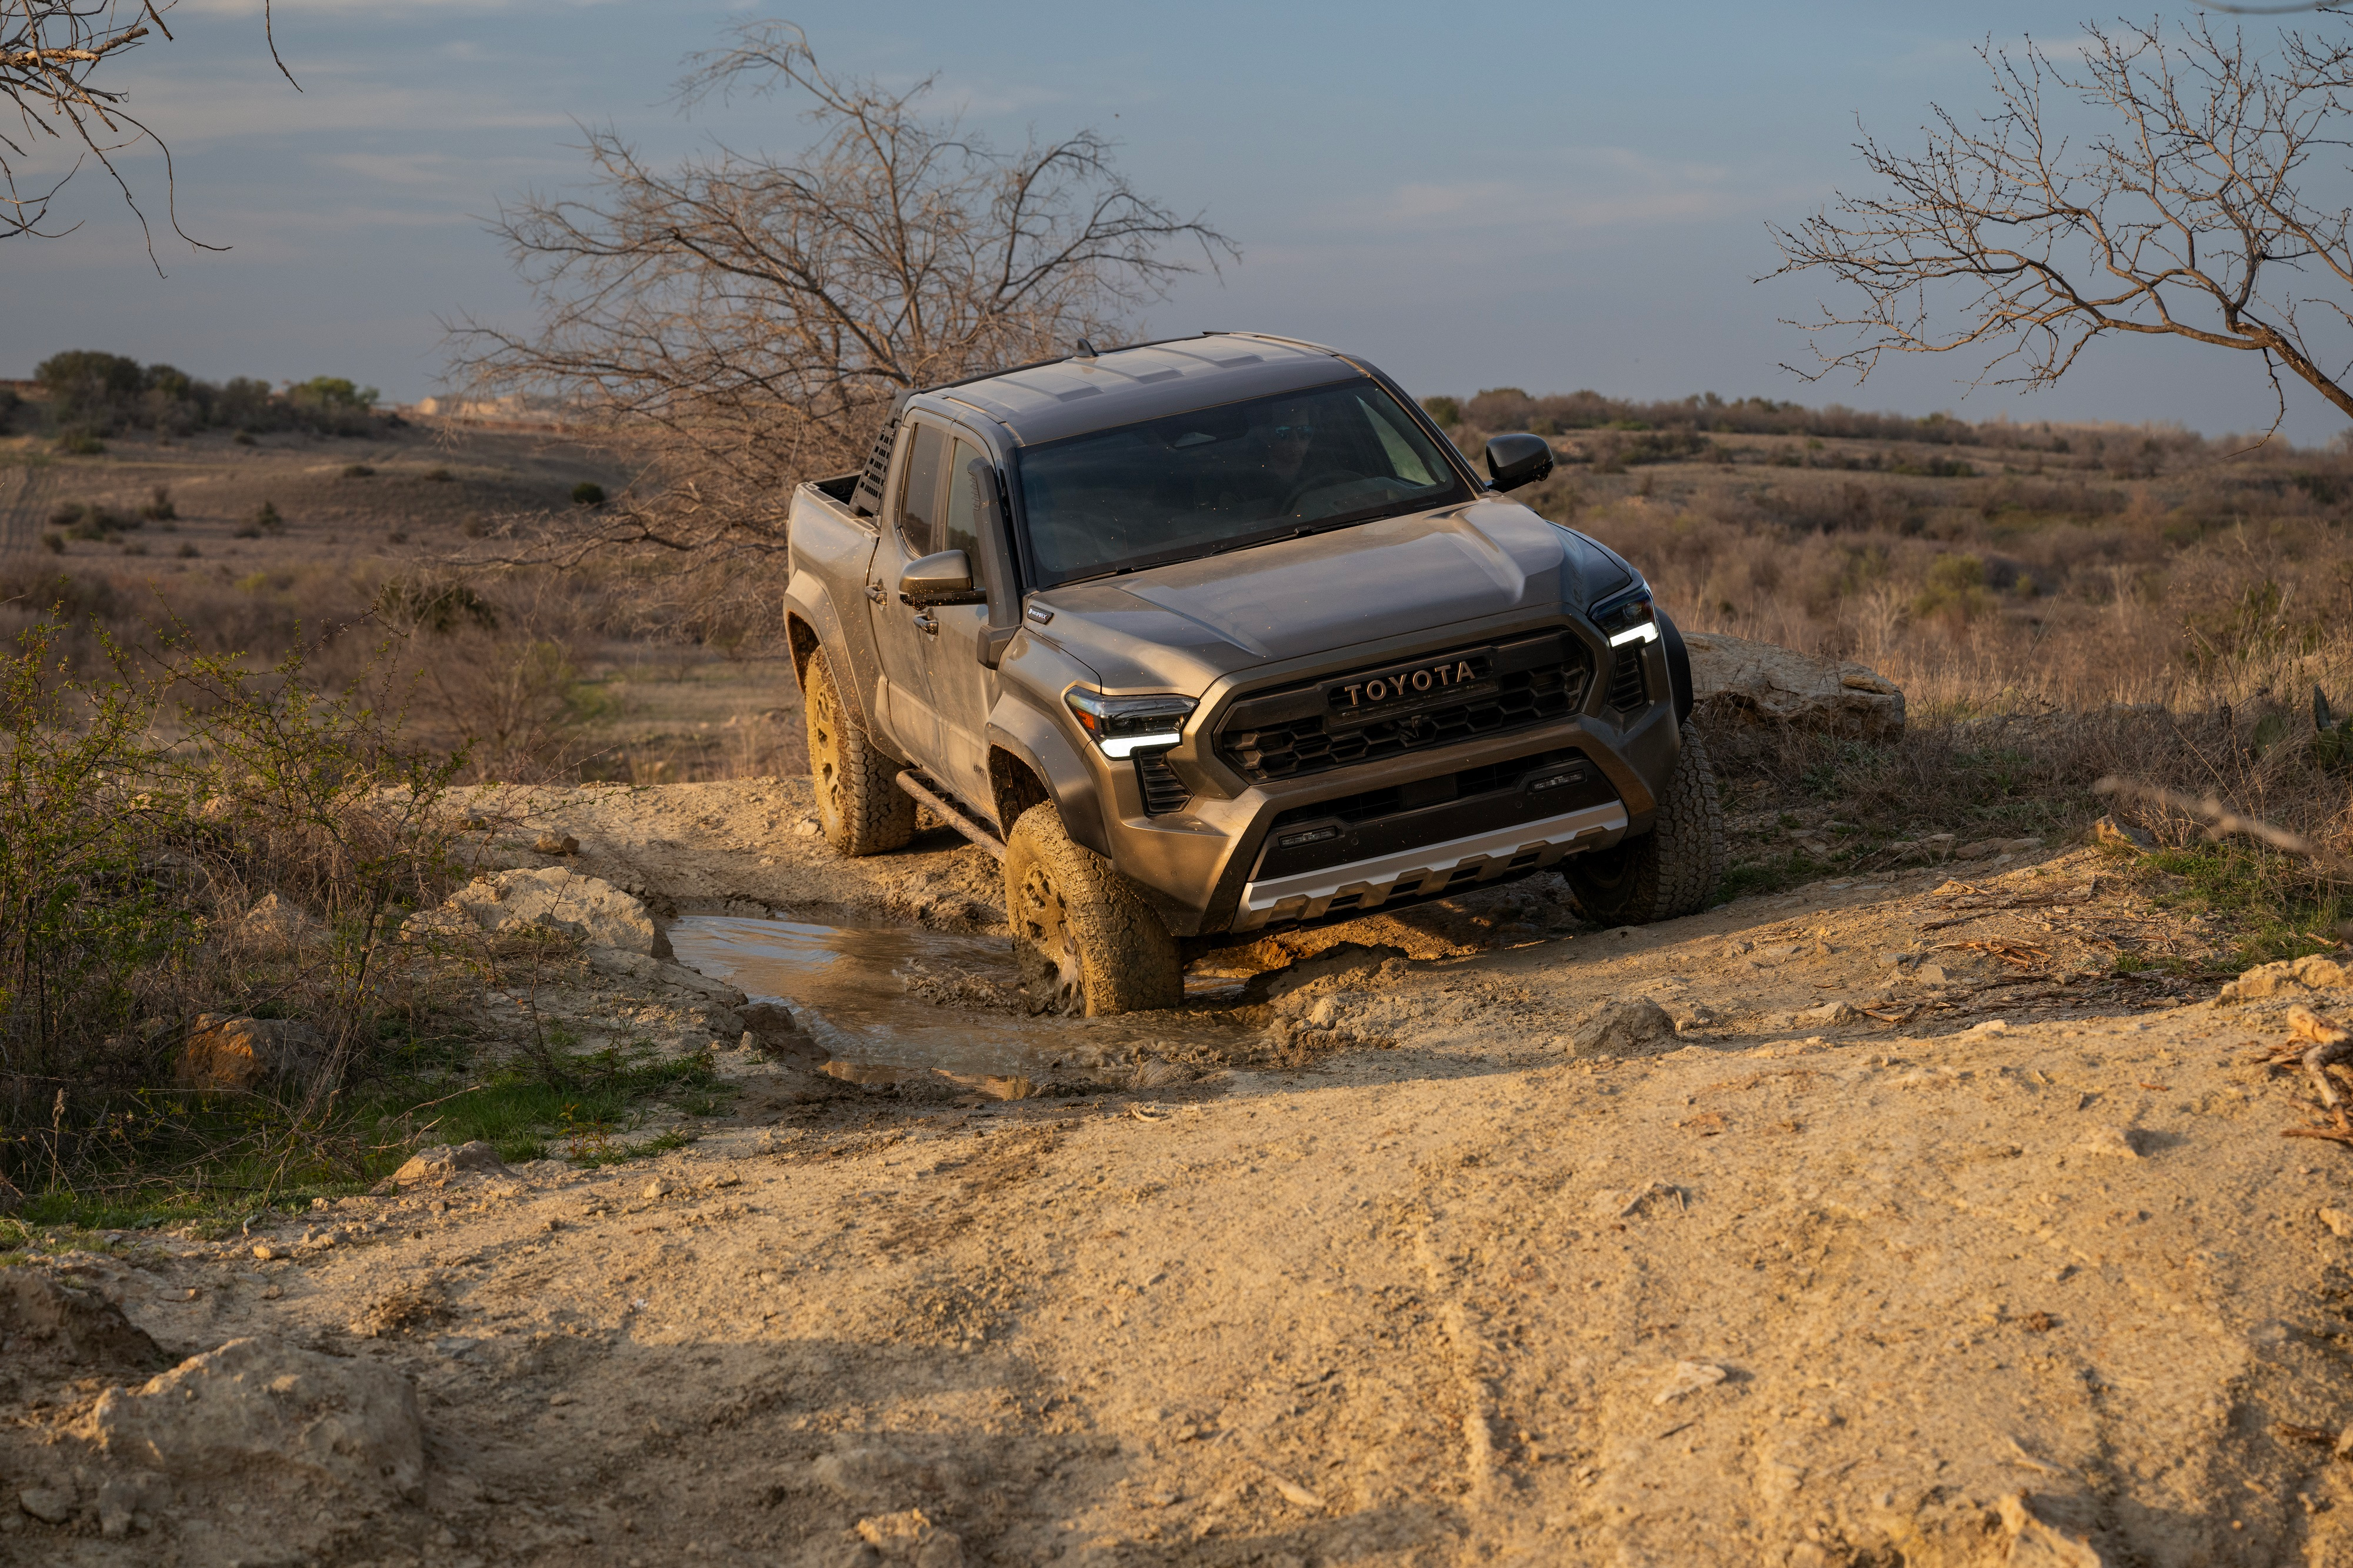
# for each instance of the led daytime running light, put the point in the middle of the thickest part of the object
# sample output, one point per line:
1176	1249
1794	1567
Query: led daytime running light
1647	632
1123	726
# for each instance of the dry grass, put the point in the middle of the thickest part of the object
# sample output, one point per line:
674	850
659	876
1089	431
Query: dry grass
2057	603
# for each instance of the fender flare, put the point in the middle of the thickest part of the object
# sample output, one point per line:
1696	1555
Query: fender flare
1678	675
812	621
1032	738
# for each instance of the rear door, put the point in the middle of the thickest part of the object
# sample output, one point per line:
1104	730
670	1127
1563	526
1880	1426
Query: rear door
905	636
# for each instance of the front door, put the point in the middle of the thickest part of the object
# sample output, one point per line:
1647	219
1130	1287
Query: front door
905	636
964	689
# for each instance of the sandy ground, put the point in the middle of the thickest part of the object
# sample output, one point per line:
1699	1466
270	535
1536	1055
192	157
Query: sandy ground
2014	1266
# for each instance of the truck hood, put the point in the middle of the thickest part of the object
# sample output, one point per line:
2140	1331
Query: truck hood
1182	627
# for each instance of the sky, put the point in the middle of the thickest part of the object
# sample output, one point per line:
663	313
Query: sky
1550	195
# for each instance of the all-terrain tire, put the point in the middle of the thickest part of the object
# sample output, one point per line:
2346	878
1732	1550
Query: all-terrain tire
1669	871
860	809
1083	937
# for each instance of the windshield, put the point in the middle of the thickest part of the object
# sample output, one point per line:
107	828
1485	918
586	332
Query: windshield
1193	484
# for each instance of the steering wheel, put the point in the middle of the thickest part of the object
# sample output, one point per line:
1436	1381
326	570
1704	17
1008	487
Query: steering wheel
1321	478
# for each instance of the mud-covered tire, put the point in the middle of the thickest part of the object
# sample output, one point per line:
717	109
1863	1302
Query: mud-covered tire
1669	871
1085	939
862	810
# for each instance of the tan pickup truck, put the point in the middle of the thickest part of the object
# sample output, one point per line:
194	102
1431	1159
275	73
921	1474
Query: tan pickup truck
1214	636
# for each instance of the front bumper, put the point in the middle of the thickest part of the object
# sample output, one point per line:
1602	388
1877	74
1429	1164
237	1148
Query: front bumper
1433	868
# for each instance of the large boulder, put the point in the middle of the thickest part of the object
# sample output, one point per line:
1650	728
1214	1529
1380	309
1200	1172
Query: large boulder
258	1404
1736	681
549	898
226	1055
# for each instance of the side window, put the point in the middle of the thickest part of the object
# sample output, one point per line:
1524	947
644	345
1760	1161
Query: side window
919	492
966	505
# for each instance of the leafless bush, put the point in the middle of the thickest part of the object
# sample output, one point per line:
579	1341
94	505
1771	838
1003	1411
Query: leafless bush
748	317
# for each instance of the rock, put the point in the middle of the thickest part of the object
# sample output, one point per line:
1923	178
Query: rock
1690	1377
657	1188
267	1253
2036	1545
1827	1015
911	1538
2117	1142
1620	1028
772	1029
443	1163
2289	977
227	1055
131	1500
1342	961
256	1403
2338	1221
50	1505
42	1316
1988	1026
548	898
275	926
2116	835
556	843
1979	850
1736	681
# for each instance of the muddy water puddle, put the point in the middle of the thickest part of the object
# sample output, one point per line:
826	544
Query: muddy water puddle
867	993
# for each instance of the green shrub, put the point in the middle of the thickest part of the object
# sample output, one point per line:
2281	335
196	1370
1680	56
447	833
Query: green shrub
1446	411
1956	589
440	476
158	507
121	852
80	444
587	493
358	471
265	520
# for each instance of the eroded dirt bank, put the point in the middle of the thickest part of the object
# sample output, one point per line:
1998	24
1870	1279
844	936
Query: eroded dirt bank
1900	1250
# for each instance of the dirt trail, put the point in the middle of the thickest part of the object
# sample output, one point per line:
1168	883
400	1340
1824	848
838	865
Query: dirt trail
2014	1266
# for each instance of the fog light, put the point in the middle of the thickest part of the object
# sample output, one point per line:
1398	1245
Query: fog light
1555	781
1313	836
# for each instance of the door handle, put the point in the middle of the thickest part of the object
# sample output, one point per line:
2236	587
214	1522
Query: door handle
874	592
927	623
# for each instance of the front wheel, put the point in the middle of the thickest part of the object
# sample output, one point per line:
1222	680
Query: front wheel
1085	941
1671	871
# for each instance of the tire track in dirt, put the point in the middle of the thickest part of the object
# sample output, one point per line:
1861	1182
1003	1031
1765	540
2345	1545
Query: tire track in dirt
24	491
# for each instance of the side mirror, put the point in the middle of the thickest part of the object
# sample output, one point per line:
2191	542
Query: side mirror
1516	460
942	579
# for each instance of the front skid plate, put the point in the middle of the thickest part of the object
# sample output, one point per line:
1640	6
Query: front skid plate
1369	884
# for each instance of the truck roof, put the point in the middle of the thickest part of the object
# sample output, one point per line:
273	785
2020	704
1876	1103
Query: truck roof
1072	396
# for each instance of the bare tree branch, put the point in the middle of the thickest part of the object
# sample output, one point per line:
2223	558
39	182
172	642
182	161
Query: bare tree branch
2186	216
50	53
752	316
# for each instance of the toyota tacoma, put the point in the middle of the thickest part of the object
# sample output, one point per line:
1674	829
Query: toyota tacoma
1211	636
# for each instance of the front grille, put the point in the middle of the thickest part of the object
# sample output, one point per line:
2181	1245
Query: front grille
1164	792
1628	688
1303	730
1431	811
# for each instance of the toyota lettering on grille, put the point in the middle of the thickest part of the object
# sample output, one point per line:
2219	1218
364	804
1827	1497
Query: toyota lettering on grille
1410	686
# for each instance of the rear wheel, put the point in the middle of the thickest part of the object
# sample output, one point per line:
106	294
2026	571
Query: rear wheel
860	809
1083	937
1669	871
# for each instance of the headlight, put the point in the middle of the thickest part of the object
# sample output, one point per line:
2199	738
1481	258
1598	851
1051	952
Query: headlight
1123	726
1628	618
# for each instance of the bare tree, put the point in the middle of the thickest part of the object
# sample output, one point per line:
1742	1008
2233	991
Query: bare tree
752	316
51	54
2200	210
